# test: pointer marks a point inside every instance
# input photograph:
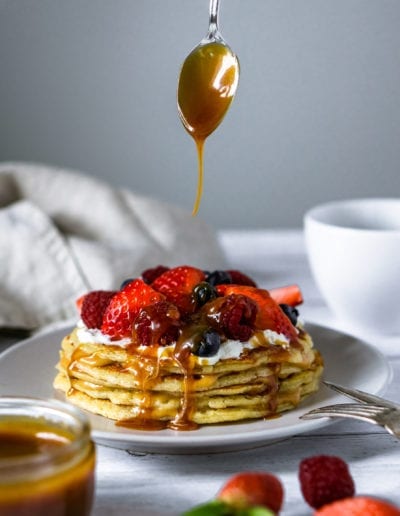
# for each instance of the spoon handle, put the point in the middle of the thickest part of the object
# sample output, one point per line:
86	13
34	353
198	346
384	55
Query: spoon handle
213	30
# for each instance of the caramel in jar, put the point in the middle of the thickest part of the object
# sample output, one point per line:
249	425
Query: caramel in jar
47	459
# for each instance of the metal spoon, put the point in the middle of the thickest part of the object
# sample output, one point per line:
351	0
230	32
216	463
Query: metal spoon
207	84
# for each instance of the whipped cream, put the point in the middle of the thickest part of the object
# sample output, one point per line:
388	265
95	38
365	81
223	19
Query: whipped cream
228	348
94	336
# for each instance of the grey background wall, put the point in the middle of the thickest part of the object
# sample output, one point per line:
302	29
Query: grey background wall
91	85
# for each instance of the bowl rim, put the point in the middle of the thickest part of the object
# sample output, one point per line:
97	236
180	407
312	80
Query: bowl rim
313	215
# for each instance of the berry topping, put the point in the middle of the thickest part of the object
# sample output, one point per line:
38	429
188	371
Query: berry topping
290	295
228	277
269	315
233	315
177	286
124	307
79	302
359	506
93	306
149	275
238	278
324	479
208	344
125	283
218	278
158	323
291	312
249	489
203	292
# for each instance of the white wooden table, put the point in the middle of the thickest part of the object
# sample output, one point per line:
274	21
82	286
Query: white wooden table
165	485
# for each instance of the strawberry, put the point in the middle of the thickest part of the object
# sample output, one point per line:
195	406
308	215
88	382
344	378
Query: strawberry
123	308
358	506
270	316
289	295
239	278
177	285
253	488
93	306
79	302
324	479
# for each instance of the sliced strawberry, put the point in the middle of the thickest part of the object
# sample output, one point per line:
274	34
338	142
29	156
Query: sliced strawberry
124	307
93	306
79	302
177	285
289	295
253	488
270	316
239	278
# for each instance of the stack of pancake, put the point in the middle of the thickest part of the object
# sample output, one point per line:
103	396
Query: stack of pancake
153	387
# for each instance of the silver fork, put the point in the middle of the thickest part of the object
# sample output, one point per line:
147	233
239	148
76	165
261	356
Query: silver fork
370	408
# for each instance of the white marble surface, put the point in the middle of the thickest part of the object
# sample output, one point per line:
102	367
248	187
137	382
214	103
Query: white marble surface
165	485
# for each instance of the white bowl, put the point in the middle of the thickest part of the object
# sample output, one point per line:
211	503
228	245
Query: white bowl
354	252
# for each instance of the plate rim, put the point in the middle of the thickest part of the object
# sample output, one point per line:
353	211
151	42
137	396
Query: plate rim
171	440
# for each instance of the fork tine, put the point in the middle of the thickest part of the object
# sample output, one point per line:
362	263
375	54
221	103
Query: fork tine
350	410
350	415
361	396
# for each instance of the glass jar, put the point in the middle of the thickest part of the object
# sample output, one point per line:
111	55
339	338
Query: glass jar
47	459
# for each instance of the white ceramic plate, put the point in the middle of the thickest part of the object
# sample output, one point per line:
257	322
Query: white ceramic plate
28	369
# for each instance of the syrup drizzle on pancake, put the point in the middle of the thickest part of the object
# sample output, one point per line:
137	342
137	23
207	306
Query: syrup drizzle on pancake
146	372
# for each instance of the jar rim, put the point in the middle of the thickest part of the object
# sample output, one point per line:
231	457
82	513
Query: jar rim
58	415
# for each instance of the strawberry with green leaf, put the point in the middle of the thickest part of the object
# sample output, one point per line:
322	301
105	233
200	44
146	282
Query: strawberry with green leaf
249	493
219	508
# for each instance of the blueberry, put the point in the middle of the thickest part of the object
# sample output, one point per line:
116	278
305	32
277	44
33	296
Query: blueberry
208	345
125	283
291	312
204	292
218	278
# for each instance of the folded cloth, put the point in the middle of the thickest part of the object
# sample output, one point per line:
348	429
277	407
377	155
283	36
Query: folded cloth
63	233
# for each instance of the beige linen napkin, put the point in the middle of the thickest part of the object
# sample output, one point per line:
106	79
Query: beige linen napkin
63	233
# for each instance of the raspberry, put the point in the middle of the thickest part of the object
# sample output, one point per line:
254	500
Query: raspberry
324	479
269	314
359	506
149	275
234	316
156	324
93	306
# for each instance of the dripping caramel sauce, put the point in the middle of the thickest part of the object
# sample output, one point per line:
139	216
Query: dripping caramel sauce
146	371
207	85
